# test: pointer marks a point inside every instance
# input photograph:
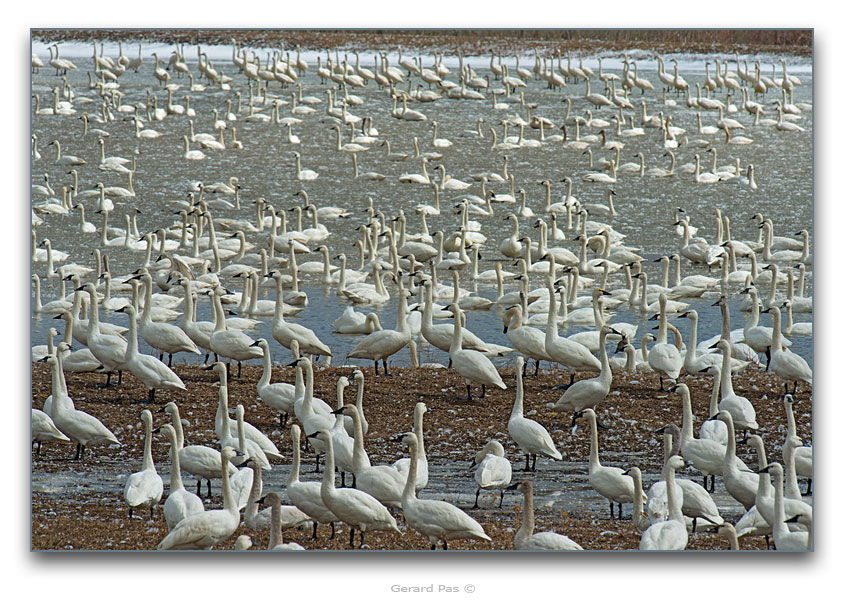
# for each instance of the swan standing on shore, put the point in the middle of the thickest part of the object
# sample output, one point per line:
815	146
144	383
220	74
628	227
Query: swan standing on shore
436	519
531	437
144	488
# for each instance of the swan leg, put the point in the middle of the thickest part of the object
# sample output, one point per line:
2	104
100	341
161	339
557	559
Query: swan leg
352	537
170	360
151	396
151	513
619	510
384	360
313	537
130	512
612	509
527	462
469	392
119	377
478	493
239	367
768	356
501	501
332	529
533	467
354	481
342	479
445	545
198	486
376	368
661	388
483	390
536	372
809	488
209	487
316	468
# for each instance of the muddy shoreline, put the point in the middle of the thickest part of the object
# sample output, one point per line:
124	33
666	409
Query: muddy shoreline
472	42
85	518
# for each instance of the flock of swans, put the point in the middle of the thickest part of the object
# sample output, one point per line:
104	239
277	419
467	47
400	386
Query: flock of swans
243	253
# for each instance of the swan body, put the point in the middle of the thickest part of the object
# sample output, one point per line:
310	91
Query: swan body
436	519
144	488
180	503
203	531
531	437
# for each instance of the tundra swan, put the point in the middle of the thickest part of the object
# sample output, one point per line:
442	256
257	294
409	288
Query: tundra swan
354	507
670	534
785	364
588	393
203	531
525	538
531	437
201	461
180	503
609	482
493	470
402	465
471	364
381	344
143	489
435	519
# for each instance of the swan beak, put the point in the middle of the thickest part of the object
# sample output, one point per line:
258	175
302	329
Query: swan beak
512	487
714	417
765	470
313	435
654	318
339	411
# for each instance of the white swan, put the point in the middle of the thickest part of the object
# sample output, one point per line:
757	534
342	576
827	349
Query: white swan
229	343
664	358
276	542
180	503
609	482
82	428
525	538
471	364
306	495
304	174
670	534
436	519
379	345
531	437
144	488
285	332
402	465
588	393
203	531
493	470
785	364
150	371
42	429
278	396
201	461
354	507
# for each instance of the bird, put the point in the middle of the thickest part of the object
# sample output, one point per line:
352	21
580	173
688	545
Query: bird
203	531
436	519
531	437
493	470
144	488
525	538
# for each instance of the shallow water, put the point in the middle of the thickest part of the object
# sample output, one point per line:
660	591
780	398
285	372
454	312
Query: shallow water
266	168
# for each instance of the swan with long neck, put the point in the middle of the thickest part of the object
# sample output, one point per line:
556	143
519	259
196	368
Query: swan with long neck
436	519
355	507
203	531
180	503
531	437
609	482
144	488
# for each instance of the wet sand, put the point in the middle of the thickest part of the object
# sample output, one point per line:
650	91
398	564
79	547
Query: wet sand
94	517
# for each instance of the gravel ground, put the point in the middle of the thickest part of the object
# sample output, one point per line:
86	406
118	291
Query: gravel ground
92	516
